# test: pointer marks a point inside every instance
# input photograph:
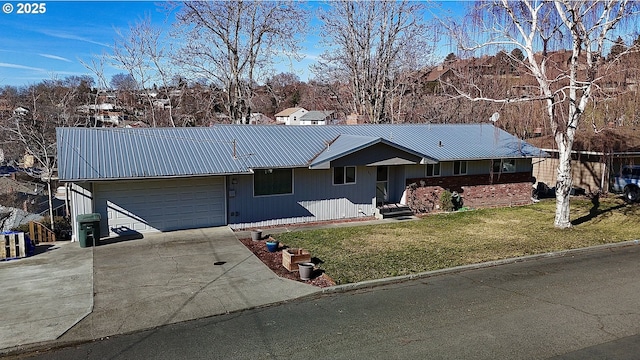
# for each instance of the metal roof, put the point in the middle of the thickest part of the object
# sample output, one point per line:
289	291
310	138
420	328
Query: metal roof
288	111
115	153
315	115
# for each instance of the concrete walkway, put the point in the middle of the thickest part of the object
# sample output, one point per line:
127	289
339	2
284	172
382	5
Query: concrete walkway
42	296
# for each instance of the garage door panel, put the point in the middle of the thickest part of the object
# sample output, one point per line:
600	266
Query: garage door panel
160	205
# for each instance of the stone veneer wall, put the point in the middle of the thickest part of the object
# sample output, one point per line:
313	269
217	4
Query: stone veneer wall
477	191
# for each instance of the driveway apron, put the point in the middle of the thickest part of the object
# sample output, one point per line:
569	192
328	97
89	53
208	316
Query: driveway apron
44	295
177	276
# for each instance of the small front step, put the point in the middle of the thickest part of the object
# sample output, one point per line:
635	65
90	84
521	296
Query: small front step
392	210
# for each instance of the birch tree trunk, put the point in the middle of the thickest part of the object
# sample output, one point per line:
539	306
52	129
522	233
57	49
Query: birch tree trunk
543	30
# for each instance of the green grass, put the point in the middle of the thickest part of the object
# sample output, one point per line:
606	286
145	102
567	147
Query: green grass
359	253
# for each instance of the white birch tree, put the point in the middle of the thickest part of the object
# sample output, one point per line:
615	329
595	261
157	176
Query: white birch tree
565	82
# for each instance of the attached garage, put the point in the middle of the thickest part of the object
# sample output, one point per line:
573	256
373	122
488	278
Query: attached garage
143	206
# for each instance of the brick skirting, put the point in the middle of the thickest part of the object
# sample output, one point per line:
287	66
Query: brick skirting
477	191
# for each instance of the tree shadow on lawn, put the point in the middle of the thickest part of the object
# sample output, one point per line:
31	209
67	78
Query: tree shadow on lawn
595	211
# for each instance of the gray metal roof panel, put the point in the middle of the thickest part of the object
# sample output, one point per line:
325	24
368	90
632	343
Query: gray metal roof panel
343	145
347	144
315	115
110	153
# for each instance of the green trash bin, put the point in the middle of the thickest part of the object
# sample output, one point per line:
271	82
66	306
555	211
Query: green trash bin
88	229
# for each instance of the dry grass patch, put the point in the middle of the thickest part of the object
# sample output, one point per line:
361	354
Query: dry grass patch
368	252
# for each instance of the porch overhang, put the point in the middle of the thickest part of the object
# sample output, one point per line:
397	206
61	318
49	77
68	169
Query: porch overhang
351	150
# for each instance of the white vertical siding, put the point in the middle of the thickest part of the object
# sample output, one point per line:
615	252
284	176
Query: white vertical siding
81	203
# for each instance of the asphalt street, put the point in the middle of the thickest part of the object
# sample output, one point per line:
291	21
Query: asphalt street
581	306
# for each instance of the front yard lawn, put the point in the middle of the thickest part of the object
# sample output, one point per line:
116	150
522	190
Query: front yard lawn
358	253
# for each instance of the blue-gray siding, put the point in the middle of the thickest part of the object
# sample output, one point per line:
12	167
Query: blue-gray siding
314	198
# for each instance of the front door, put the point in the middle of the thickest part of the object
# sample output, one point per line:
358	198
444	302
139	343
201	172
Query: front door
382	185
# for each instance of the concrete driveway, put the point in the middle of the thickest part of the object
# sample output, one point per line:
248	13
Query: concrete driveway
42	296
177	276
157	280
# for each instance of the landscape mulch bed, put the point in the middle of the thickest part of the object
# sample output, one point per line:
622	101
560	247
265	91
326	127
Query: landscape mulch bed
274	261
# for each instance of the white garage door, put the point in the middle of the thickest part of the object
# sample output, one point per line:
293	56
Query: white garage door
143	206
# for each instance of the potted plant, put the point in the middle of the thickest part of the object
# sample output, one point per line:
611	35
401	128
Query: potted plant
272	245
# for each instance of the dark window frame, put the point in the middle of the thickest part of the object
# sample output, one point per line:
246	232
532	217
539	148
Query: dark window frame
341	174
458	166
435	170
270	182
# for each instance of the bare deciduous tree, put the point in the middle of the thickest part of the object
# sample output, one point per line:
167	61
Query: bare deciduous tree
49	104
564	81
369	43
232	42
142	53
284	88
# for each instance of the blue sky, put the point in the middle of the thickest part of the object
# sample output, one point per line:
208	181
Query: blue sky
44	46
48	45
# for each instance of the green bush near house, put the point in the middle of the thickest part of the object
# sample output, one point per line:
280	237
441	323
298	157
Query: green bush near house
446	201
358	253
450	201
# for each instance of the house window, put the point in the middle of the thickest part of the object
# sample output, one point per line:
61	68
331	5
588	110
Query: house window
433	170
272	182
344	175
504	166
459	167
508	165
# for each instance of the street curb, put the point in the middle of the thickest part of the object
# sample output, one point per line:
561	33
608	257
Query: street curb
20	351
427	274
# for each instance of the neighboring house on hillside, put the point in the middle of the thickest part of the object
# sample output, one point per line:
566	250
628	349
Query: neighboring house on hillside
315	117
257	118
20	111
9	185
103	114
28	196
290	116
162	179
595	158
432	78
162	104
